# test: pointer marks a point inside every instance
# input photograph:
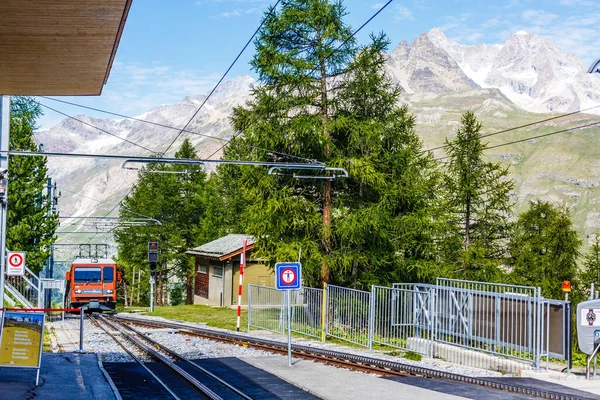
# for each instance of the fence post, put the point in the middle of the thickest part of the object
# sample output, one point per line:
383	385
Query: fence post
538	335
371	320
324	314
249	306
432	319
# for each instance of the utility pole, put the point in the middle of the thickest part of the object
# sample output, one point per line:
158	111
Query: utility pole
4	141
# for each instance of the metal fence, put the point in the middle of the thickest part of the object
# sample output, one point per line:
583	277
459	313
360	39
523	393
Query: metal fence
493	326
349	315
400	315
306	307
25	289
498	319
266	309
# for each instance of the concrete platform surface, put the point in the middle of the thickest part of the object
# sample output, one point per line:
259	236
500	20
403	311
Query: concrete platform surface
64	376
333	383
574	381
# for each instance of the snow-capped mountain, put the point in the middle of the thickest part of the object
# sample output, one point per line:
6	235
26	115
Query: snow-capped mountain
93	186
527	68
503	83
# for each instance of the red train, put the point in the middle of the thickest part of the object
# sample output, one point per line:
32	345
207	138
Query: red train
92	284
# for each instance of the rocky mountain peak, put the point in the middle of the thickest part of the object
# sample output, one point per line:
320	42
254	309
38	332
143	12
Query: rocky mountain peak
529	69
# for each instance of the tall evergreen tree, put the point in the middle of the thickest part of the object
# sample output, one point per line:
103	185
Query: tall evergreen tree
176	196
544	248
479	200
323	98
31	225
591	267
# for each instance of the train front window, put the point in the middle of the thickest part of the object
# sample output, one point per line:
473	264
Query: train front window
109	274
87	275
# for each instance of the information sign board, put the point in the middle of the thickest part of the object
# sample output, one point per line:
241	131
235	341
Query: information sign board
22	338
16	264
288	276
590	317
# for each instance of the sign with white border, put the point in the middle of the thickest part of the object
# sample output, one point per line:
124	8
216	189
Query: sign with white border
288	276
16	263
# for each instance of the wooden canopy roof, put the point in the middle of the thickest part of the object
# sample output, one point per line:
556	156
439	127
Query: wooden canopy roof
58	47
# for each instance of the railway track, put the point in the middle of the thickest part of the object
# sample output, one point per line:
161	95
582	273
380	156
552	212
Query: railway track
352	361
206	384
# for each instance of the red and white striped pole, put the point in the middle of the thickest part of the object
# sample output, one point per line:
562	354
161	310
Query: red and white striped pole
242	266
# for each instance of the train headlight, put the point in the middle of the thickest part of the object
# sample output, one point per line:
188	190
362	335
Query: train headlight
109	291
78	291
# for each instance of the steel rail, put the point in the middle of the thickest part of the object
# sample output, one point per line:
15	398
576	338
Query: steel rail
352	360
189	362
155	354
135	358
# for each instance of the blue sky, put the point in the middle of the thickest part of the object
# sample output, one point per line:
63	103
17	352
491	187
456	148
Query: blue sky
172	49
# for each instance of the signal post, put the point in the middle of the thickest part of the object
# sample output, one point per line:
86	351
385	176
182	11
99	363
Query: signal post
153	260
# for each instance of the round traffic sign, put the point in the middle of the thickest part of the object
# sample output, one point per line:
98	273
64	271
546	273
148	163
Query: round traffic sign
15	260
288	276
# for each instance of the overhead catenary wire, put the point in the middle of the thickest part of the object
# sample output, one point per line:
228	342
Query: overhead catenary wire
534	137
191	119
514	128
313	70
97	128
271	10
279	153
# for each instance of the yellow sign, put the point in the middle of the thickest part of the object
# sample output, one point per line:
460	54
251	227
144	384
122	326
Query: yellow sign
22	337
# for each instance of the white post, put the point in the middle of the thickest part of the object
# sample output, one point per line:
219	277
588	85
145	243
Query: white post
151	294
4	140
242	267
289	325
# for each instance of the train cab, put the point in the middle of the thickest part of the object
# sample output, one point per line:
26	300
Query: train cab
92	284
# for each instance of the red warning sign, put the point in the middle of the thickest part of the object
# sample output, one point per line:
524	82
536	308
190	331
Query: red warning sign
16	264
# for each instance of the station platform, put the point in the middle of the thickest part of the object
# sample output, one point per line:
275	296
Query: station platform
63	376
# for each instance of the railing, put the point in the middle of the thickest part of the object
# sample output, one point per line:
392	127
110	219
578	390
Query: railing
349	315
25	289
266	309
306	311
402	314
493	326
502	320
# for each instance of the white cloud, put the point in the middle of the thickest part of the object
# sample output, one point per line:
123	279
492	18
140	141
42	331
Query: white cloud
403	13
578	3
539	17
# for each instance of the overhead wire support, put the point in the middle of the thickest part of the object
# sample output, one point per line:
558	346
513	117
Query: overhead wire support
185	161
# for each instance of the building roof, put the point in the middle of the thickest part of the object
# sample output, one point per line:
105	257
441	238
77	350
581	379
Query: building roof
224	247
64	47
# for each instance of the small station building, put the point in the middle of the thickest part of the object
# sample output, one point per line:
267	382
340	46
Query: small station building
217	269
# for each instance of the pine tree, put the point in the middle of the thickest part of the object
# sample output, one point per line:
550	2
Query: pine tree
31	225
478	198
323	98
175	195
544	248
591	268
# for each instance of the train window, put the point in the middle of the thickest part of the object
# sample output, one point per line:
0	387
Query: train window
87	275
109	274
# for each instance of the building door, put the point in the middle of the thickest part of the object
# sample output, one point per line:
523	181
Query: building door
216	285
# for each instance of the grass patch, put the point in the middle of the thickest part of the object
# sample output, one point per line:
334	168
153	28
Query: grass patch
411	355
218	317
